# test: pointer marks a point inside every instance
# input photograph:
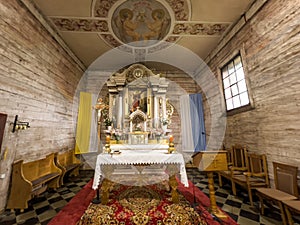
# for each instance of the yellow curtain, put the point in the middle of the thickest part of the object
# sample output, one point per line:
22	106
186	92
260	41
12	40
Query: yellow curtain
83	123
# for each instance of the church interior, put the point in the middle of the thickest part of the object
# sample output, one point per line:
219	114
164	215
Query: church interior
149	112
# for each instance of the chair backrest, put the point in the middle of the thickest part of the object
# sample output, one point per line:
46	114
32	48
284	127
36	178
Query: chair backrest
229	156
239	156
285	177
258	165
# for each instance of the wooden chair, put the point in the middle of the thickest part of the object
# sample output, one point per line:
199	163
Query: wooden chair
286	188
291	207
256	177
236	161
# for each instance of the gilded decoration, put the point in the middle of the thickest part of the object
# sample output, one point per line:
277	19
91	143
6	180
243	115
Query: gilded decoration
90	25
102	7
140	20
199	29
180	8
138	105
110	39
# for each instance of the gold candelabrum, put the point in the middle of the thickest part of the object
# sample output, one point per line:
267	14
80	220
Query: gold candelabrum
107	144
171	148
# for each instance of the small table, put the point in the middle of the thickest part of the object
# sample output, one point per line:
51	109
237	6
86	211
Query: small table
138	158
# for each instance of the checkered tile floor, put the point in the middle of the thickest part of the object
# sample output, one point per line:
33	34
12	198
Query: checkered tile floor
237	207
43	208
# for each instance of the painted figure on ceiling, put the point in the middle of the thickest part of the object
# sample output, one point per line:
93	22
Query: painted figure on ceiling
155	27
129	24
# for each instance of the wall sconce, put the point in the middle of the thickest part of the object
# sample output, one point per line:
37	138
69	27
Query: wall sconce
18	125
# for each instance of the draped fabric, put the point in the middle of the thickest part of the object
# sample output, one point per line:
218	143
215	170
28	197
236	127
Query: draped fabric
192	123
94	139
186	125
197	118
86	132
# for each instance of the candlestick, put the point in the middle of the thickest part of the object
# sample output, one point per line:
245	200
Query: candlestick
107	138
107	145
171	138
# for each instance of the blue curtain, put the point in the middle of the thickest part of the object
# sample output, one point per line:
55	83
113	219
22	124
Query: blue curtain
197	122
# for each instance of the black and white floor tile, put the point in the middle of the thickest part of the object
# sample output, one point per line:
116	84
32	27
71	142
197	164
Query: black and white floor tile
237	207
42	209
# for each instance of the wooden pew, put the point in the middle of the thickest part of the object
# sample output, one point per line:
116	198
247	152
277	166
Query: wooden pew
31	179
68	163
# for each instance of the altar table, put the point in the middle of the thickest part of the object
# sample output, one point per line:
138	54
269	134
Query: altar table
137	158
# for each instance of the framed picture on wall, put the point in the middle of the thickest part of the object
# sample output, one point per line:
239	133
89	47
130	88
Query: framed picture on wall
3	118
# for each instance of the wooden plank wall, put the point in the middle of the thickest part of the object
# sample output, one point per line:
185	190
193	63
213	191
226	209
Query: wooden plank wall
38	81
271	43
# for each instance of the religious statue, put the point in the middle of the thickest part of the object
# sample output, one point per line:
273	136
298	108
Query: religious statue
100	105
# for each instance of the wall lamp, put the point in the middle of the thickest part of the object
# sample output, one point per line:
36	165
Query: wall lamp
18	125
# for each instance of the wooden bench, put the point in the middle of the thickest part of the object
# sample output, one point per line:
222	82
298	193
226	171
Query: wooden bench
68	163
31	179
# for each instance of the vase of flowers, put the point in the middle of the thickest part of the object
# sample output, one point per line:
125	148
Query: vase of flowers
108	123
164	124
158	132
117	134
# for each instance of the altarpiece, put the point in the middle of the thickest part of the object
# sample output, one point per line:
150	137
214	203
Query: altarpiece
138	108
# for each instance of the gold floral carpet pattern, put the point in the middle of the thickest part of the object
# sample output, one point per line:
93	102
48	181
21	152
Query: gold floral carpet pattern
141	205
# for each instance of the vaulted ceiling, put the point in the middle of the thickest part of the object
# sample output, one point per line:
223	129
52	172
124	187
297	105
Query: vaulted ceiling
93	27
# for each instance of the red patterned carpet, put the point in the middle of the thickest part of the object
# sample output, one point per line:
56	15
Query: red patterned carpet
128	205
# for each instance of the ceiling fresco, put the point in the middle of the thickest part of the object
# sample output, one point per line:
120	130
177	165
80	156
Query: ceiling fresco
92	27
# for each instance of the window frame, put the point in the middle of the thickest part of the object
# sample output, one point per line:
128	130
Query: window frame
225	62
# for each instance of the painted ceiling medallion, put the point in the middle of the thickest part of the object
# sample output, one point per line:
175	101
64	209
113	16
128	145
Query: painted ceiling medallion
135	22
140	27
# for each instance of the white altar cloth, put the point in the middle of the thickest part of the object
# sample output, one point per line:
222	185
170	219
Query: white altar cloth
133	157
126	147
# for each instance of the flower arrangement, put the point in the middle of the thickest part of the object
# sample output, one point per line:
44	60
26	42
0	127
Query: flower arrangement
107	122
118	134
